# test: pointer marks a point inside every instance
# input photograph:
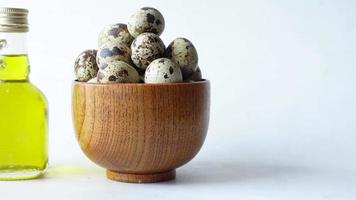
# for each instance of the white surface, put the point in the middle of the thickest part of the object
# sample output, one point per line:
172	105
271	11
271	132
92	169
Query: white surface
283	98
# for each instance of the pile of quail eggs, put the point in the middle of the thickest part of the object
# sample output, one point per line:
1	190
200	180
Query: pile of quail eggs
135	53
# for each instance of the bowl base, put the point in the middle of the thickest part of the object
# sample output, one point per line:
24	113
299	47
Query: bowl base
140	178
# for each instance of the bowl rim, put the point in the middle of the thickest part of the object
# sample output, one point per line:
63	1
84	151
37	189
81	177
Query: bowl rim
202	81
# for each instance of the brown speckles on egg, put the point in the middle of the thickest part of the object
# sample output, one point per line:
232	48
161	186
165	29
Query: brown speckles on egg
112	78
183	52
118	72
118	51
165	71
105	53
171	70
146	20
85	66
113	52
146	48
115	33
150	18
123	73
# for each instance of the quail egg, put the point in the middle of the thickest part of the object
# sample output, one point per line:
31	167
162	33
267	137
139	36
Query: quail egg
163	70
146	20
115	33
85	66
146	48
196	76
117	72
109	52
183	52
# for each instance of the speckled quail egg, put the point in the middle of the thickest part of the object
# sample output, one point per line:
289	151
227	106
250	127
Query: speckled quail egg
117	72
183	52
146	20
163	70
196	76
115	33
85	66
146	48
93	80
109	52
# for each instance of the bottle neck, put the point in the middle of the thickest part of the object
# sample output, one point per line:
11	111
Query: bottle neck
14	65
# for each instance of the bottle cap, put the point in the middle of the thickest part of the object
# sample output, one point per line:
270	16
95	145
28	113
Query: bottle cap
13	20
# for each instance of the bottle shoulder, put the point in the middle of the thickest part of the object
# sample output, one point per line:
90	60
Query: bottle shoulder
38	92
21	90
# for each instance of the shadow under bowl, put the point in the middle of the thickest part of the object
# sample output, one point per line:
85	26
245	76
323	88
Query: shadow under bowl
141	132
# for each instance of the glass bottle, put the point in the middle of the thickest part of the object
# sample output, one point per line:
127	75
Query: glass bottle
23	108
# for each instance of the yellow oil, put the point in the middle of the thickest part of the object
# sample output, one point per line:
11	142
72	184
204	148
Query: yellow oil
23	122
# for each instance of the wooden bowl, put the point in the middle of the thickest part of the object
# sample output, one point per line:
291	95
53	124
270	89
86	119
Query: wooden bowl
141	132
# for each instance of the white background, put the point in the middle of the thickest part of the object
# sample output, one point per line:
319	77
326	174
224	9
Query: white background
283	120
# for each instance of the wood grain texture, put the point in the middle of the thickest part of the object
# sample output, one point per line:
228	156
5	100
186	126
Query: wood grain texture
141	129
141	178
